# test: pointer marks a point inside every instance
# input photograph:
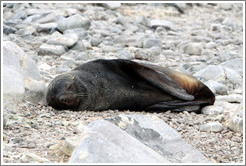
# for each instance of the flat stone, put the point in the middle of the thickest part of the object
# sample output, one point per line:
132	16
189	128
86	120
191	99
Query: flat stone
211	72
212	110
234	64
33	157
193	48
157	135
70	144
162	23
46	27
152	42
217	87
212	126
74	21
47	49
112	6
65	40
235	122
18	65
103	142
233	98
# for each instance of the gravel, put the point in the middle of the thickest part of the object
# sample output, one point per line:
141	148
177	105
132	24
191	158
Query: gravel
206	38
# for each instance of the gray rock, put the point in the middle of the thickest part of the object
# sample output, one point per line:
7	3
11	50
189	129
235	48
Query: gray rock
215	27
211	72
152	42
35	158
162	23
233	77
35	90
157	135
8	30
42	18
234	64
229	22
142	54
217	87
103	142
154	53
80	32
236	120
13	87
72	22
212	110
193	48
28	30
211	126
46	27
18	65
112	6
47	49
225	6
125	54
79	46
142	20
95	41
211	45
67	40
70	144
232	98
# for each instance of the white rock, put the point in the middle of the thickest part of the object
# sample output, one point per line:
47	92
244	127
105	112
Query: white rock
212	126
51	49
34	157
193	48
65	40
212	110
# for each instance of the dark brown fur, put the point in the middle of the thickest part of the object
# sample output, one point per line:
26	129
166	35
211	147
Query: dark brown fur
123	84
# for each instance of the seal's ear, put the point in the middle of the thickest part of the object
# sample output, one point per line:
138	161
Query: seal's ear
182	86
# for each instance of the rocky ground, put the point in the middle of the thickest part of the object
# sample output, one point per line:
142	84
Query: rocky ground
205	40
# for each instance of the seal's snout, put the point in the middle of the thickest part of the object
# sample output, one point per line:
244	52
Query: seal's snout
62	99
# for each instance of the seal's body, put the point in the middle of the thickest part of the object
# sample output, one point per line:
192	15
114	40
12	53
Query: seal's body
124	84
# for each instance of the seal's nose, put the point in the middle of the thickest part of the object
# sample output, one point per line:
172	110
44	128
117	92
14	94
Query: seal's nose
62	99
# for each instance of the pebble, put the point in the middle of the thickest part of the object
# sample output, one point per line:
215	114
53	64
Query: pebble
233	98
67	40
212	126
217	88
47	49
162	23
210	45
112	6
188	42
47	27
148	43
75	21
193	48
70	144
212	110
33	157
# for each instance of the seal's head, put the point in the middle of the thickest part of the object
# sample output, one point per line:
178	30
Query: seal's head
65	92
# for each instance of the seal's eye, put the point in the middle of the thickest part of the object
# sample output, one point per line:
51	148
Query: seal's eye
62	99
69	86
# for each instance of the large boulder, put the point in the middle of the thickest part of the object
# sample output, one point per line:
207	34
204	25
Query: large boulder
133	139
21	77
103	142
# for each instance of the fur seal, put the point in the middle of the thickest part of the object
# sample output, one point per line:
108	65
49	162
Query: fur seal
124	84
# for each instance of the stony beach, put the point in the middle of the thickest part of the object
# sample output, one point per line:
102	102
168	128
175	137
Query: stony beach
43	40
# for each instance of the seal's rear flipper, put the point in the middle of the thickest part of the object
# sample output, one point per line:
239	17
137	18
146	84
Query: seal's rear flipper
180	85
176	106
